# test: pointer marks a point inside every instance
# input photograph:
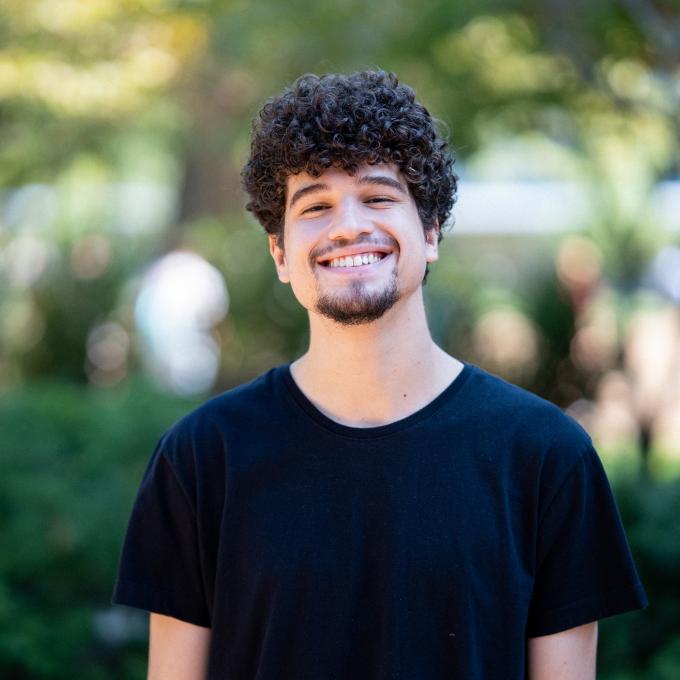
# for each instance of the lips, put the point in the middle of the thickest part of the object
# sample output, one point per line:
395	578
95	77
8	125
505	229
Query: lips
357	250
360	269
355	260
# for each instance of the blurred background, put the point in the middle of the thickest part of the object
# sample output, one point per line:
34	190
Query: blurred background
133	285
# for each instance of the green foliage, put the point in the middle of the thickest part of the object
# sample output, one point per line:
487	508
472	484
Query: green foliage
100	93
71	459
647	640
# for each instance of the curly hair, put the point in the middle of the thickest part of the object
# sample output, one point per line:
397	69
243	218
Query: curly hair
344	121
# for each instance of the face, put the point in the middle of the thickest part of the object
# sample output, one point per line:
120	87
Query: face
354	245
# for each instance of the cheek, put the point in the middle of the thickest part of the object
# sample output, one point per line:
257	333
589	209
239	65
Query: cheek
304	286
302	275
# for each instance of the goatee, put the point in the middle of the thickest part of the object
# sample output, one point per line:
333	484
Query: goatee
357	306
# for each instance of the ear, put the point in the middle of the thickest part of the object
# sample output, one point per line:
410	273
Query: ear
279	257
432	243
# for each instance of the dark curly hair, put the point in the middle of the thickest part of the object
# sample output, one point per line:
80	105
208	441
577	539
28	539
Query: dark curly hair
365	117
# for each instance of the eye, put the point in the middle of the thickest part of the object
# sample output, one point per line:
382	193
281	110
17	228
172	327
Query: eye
313	208
380	199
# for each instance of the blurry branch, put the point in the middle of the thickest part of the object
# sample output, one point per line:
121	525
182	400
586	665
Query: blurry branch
555	22
659	31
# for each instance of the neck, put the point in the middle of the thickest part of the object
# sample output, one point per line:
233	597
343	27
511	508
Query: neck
375	373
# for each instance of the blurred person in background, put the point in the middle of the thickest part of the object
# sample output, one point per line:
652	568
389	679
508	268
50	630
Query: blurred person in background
375	508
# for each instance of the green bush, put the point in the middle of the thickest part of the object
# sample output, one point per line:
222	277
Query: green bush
71	461
647	643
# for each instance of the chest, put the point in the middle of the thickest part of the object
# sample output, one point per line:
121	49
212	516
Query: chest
433	519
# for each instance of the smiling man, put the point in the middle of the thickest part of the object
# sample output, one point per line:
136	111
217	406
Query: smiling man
375	508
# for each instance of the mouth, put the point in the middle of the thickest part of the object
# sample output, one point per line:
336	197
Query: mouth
366	262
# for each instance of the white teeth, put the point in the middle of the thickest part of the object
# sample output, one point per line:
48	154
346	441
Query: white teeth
356	260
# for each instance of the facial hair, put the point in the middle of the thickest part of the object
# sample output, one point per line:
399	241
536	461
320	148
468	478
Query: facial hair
356	306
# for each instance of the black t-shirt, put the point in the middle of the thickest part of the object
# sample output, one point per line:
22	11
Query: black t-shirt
431	547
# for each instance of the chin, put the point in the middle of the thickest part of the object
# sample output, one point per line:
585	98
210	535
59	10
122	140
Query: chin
355	313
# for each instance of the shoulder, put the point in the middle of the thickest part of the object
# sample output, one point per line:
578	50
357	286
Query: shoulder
200	438
536	431
236	405
522	411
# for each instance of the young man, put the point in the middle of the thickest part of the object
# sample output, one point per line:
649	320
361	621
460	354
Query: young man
376	508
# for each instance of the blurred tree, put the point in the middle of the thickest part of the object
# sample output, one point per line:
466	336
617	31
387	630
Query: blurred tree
186	77
123	128
75	76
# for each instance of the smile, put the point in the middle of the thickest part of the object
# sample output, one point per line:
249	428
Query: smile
354	261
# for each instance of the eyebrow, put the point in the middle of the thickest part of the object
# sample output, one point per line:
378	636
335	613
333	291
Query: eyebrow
309	189
380	180
384	181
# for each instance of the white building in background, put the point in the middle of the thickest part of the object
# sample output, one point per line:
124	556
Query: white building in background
544	207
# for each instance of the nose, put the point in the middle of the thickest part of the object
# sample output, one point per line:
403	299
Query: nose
348	221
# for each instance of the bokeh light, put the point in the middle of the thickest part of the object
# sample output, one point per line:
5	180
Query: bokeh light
108	347
26	258
506	341
181	298
90	256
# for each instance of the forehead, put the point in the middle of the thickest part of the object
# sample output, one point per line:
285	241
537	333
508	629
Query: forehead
335	177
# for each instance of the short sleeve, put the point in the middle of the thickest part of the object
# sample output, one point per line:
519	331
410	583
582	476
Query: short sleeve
159	568
584	567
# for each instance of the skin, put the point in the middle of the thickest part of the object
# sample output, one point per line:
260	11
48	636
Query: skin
177	650
371	359
569	655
